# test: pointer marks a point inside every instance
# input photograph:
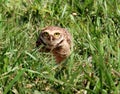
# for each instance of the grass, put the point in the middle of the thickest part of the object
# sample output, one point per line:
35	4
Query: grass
95	26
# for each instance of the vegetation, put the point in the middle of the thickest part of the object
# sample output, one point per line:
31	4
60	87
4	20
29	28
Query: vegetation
92	68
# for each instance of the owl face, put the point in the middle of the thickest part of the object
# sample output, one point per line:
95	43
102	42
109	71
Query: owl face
51	37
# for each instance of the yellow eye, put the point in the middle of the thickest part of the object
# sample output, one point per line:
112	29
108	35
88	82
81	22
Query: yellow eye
57	35
45	34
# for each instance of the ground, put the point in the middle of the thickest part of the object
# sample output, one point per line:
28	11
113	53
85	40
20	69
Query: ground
92	68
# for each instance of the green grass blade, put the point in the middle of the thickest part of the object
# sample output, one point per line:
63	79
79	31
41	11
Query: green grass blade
17	77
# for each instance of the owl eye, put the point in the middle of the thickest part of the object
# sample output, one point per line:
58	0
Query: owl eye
45	34
56	35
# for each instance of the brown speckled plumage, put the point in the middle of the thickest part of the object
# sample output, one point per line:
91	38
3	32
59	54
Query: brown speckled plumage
56	40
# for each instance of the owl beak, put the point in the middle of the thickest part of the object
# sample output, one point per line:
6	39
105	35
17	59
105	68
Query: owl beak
51	38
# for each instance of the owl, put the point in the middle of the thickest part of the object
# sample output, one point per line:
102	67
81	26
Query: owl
55	40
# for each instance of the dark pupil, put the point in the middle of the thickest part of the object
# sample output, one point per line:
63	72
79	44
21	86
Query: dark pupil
45	34
57	34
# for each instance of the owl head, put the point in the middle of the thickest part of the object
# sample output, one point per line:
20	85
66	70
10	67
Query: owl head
52	36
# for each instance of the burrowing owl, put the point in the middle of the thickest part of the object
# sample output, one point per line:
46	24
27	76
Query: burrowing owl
56	40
